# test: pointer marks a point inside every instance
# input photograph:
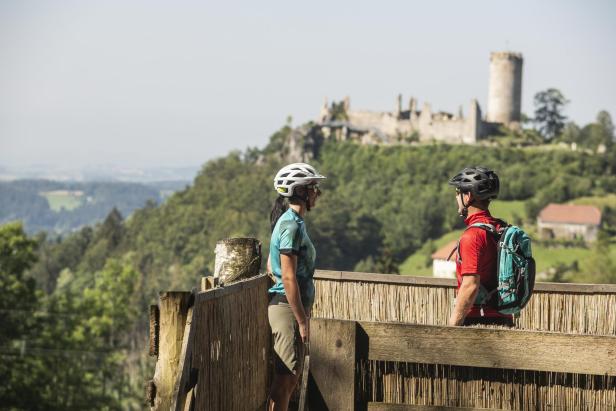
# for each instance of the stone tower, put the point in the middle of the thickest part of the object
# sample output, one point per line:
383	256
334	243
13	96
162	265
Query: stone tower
505	93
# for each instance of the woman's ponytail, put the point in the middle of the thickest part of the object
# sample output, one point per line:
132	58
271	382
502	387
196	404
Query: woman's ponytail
280	206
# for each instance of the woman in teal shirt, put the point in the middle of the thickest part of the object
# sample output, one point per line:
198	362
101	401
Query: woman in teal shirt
291	260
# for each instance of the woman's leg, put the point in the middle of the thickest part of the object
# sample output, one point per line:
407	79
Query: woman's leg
280	393
286	355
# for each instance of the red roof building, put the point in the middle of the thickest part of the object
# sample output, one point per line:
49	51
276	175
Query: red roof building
569	221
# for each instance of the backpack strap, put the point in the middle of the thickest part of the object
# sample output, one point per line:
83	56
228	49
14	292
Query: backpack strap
487	295
488	227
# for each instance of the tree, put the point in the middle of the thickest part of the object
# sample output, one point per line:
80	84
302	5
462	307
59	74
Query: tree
605	121
17	254
571	133
17	301
599	133
603	268
338	111
549	119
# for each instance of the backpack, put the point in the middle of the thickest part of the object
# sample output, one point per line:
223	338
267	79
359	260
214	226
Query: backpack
515	269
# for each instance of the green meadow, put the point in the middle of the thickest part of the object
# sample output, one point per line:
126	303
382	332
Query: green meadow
63	199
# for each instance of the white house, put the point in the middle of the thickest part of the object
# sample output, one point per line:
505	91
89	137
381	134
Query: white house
440	266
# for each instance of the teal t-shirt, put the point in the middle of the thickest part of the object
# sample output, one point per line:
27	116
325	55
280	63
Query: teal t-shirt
290	237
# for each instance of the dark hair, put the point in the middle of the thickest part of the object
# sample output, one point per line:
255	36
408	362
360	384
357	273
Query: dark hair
280	206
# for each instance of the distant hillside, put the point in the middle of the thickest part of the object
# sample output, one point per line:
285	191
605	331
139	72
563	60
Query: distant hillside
62	207
380	204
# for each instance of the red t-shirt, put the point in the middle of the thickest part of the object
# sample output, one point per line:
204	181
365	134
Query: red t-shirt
478	252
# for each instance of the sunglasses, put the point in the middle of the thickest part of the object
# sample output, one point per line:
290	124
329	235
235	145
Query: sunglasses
315	188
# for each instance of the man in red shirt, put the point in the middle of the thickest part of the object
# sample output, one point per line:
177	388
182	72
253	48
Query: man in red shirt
476	255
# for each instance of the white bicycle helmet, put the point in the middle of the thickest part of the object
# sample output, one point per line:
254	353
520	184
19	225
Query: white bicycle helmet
293	175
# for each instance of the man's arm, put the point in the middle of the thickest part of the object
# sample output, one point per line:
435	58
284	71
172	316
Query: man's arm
465	299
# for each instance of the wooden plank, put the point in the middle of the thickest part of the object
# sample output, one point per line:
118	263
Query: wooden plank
382	406
181	386
569	288
383	278
233	288
173	307
332	364
492	348
303	388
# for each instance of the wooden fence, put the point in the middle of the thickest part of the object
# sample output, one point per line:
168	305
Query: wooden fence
568	308
415	370
213	349
459	367
394	352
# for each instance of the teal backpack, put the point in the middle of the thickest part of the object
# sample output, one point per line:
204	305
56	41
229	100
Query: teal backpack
516	270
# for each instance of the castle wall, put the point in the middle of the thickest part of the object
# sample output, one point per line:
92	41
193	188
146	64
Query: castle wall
429	126
449	131
386	122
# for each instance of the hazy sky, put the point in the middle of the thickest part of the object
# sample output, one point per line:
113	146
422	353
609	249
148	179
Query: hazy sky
172	83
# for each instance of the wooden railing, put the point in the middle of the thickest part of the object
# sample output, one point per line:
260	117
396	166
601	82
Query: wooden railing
569	308
341	351
381	343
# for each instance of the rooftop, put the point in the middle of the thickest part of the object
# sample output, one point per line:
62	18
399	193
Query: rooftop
572	214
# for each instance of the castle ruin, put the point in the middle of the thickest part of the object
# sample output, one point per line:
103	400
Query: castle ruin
412	124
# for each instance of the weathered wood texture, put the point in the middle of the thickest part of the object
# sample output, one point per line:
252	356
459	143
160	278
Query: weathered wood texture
569	308
383	406
486	388
237	259
232	346
481	378
208	283
183	384
333	359
491	348
154	330
448	282
173	309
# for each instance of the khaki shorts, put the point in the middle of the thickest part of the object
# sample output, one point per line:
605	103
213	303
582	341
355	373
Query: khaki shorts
288	346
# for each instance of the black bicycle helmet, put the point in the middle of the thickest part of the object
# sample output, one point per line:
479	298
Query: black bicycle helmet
480	181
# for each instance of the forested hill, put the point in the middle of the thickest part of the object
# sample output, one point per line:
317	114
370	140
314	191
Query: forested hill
59	207
380	204
79	342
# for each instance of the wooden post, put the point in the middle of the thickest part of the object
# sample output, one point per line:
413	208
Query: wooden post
333	357
173	309
183	384
208	283
154	330
236	259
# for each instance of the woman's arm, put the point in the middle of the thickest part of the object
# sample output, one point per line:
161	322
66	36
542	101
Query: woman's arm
289	280
465	299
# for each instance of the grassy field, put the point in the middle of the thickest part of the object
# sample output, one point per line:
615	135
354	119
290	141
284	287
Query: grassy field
69	200
510	211
601	202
